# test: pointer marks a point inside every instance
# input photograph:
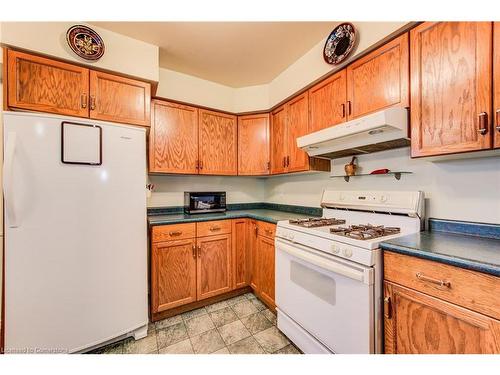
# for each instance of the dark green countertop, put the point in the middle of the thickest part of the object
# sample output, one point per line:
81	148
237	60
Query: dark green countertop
465	251
270	216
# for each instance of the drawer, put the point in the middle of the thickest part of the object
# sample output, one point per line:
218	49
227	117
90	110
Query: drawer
474	290
173	232
211	228
266	229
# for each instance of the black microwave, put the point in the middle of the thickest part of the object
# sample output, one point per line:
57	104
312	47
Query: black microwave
204	202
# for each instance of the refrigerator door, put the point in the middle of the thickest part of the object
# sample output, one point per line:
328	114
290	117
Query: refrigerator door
75	237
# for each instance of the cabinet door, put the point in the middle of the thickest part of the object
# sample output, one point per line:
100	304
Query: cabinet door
379	80
218	143
496	82
253	144
119	99
327	102
214	266
297	126
40	84
173	274
173	138
253	254
417	323
265	261
278	140
240	254
450	87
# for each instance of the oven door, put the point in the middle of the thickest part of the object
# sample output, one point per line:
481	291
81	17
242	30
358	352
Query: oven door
330	298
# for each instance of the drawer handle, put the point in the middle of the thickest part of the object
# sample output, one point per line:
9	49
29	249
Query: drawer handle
268	231
442	283
175	233
215	228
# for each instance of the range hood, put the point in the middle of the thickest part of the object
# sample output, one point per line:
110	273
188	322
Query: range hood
378	131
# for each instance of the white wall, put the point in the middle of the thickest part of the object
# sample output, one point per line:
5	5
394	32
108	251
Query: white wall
169	190
123	54
460	190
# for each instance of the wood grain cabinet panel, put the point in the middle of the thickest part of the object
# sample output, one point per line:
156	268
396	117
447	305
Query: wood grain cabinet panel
119	99
240	243
279	143
418	323
298	125
265	263
173	274
253	145
253	253
496	83
218	143
173	138
327	102
212	228
379	80
214	266
450	87
45	85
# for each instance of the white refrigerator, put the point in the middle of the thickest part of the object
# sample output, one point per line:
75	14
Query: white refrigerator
75	233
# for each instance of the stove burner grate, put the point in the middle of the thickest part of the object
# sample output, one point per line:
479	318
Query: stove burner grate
365	232
315	222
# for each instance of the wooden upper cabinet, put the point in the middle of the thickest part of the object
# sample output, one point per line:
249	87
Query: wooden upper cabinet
173	274
39	84
173	138
278	140
253	144
417	323
240	255
450	87
379	80
119	99
297	126
218	143
327	102
214	266
496	83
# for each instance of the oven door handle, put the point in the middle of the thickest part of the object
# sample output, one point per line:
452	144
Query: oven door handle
364	275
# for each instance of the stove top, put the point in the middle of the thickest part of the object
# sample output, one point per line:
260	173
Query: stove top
365	231
315	222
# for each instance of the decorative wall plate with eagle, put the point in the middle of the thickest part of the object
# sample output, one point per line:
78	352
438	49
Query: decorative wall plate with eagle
85	42
339	43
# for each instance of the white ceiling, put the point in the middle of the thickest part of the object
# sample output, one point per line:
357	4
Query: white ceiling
235	54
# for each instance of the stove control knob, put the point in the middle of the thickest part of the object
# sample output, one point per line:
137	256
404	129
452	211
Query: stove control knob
383	198
347	252
290	237
335	249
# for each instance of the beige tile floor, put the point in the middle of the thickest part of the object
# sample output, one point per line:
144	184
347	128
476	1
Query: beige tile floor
240	325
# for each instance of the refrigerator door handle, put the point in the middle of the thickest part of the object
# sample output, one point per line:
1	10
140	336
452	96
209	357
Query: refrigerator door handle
8	188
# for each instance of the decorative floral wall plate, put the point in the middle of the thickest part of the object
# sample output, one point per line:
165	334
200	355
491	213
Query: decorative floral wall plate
85	42
339	43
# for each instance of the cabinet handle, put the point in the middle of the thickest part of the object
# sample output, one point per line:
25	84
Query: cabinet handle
92	102
498	120
483	123
194	251
442	283
268	231
256	229
268	165
199	251
83	100
343	109
349	109
174	233
200	164
284	161
215	228
287	163
197	164
387	307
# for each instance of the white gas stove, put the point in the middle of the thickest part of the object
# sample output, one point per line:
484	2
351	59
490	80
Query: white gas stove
329	270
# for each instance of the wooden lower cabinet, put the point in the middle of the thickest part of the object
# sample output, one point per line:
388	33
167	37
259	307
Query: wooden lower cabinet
432	308
265	263
173	274
213	266
416	323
